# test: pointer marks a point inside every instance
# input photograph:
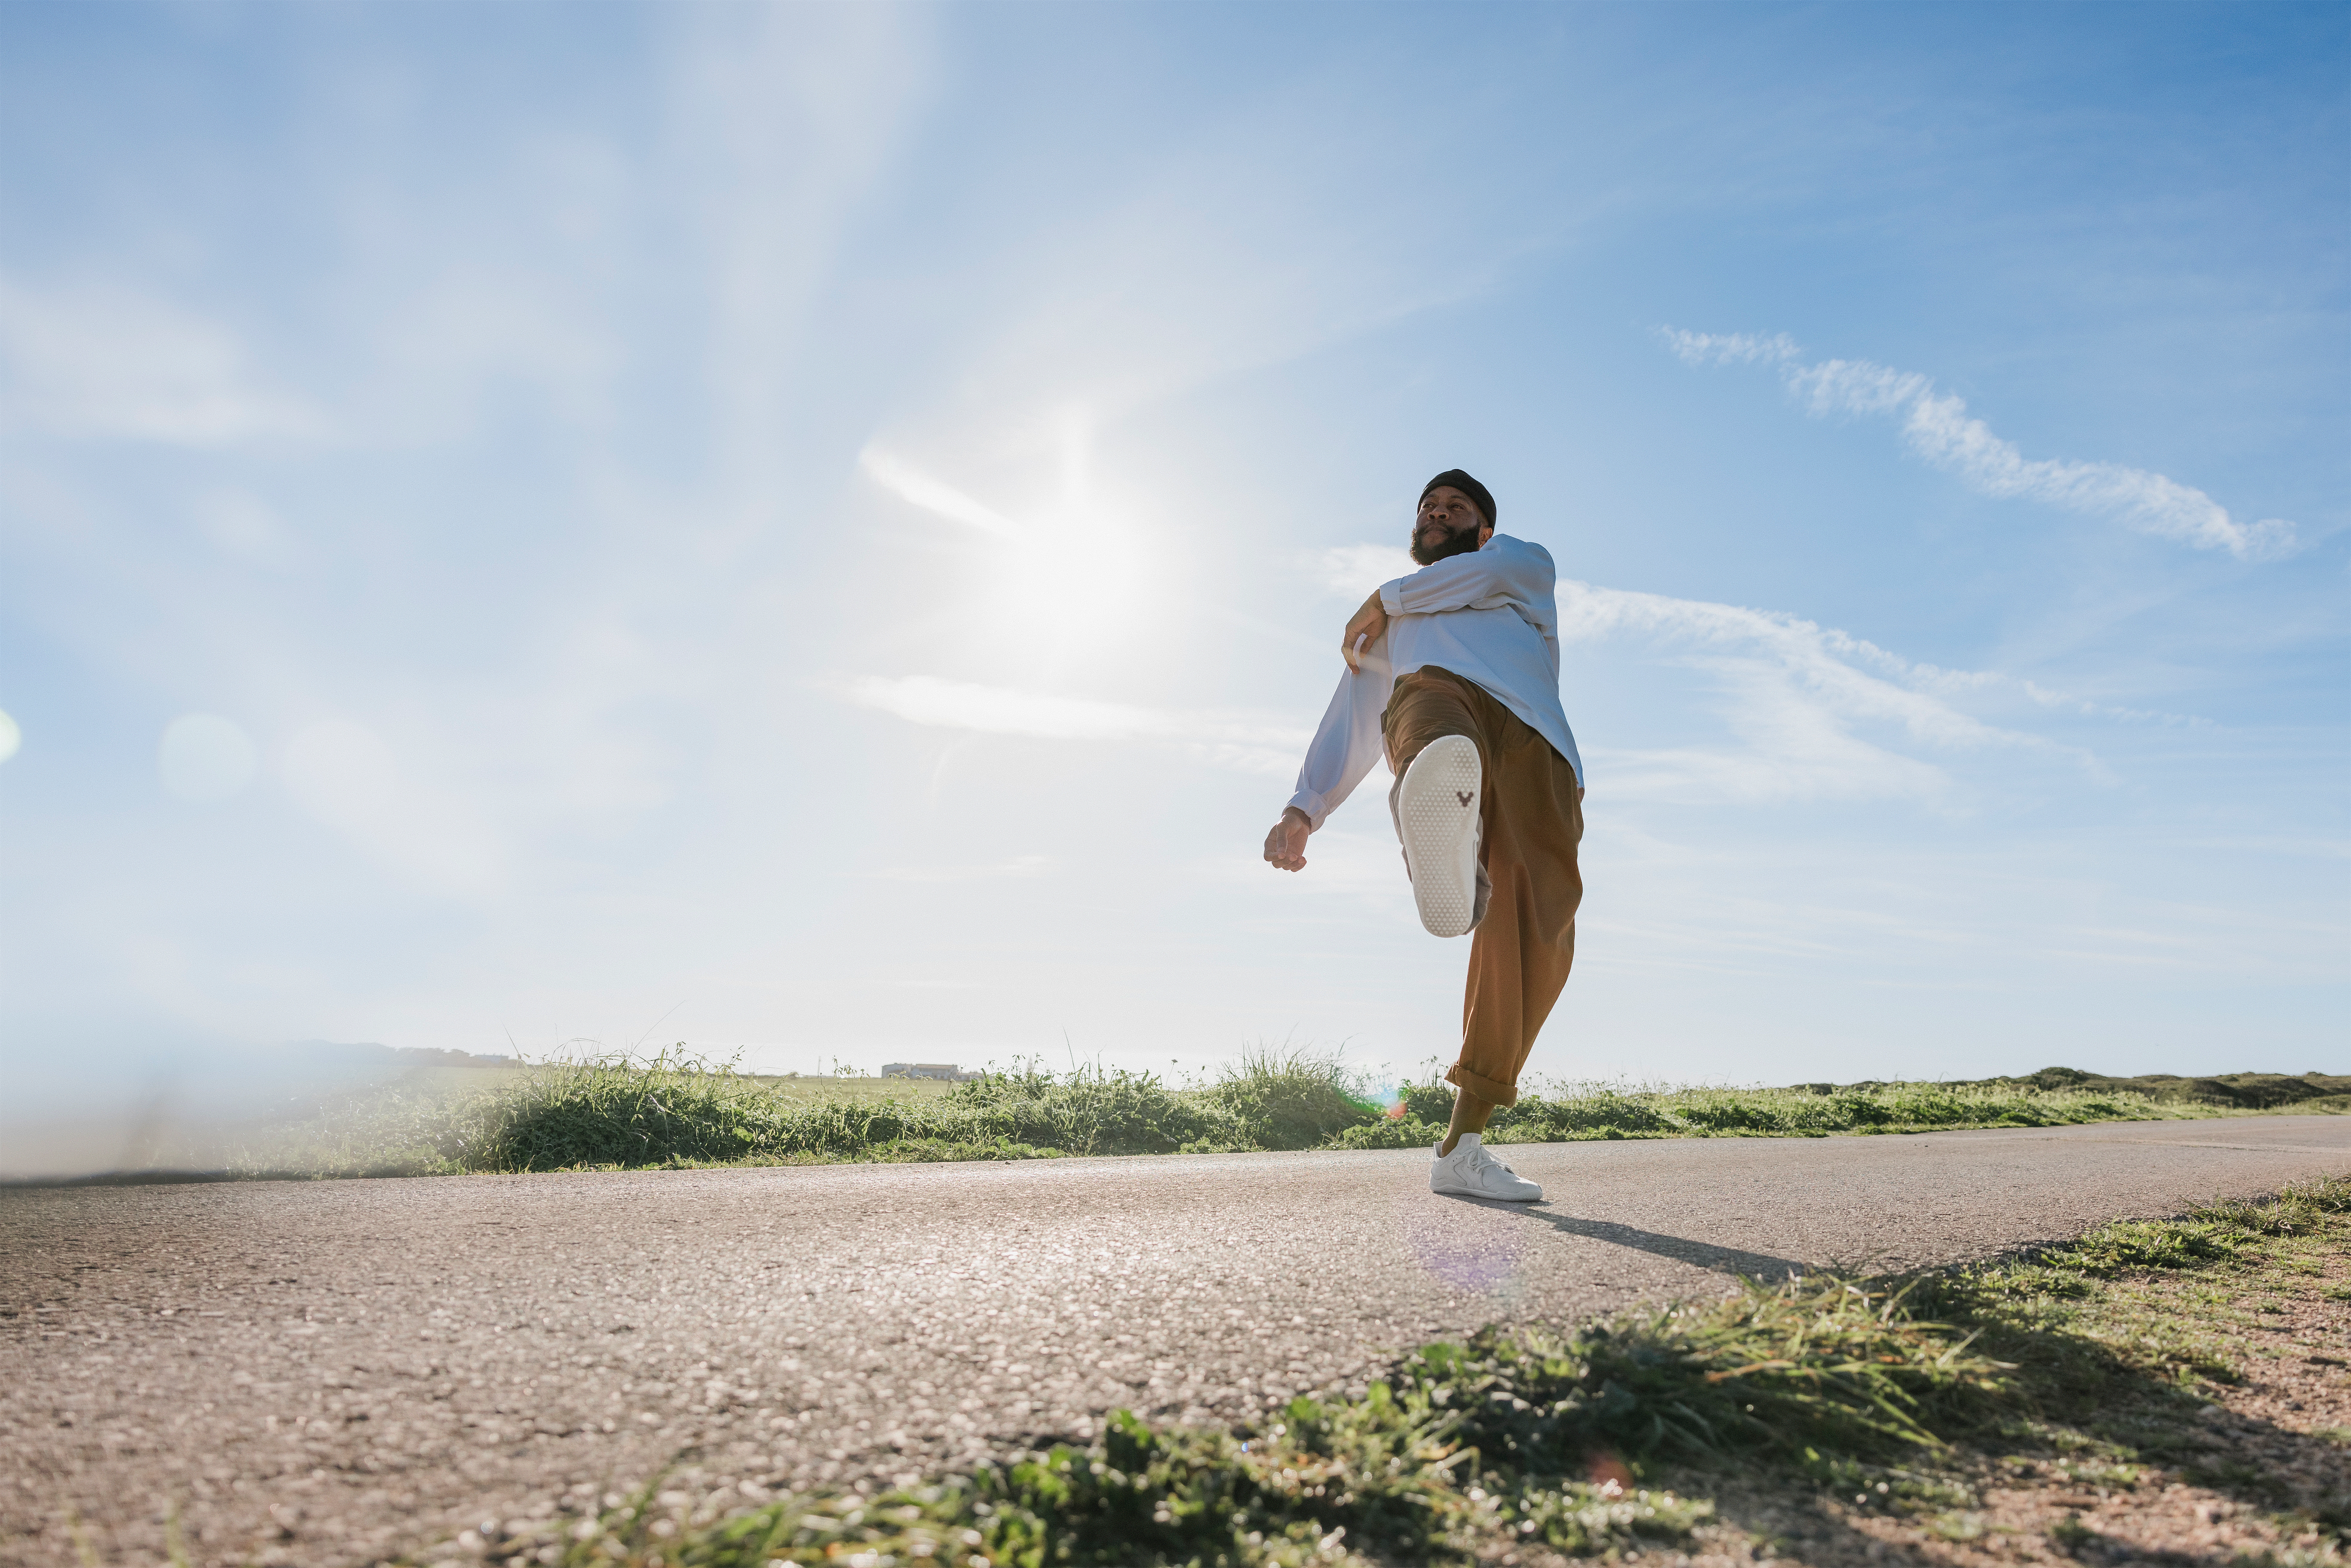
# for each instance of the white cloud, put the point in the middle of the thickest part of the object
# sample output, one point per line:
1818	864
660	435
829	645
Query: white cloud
1356	570
1796	749
1728	347
2083	705
1796	693
911	485
1797	700
1937	427
91	361
1250	742
1821	659
1855	386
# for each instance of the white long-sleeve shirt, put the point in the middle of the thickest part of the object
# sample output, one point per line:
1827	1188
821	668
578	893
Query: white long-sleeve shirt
1487	616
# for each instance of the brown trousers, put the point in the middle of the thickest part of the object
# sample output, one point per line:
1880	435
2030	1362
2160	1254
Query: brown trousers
1532	819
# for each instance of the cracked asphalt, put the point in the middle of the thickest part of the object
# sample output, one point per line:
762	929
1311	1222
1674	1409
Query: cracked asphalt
335	1373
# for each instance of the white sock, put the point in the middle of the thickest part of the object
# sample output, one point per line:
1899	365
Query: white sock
1468	1141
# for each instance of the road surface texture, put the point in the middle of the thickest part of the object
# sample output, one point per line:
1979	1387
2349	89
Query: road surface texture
327	1373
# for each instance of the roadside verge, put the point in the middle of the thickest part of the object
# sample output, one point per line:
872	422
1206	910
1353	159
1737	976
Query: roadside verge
675	1112
2171	1386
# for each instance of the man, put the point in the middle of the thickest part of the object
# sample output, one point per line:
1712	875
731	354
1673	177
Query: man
1453	674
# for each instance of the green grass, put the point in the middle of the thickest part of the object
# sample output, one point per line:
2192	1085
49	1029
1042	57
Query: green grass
1861	1388
1814	1111
1574	1112
810	1090
1456	1443
671	1112
675	1111
2085	1331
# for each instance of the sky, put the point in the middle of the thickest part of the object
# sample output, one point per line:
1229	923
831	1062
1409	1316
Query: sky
820	532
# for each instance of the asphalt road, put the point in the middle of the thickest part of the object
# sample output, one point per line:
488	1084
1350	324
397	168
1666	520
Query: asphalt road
328	1372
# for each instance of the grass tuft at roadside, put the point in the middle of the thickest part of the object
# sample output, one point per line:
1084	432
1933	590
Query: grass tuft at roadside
1495	1439
1820	1419
676	1111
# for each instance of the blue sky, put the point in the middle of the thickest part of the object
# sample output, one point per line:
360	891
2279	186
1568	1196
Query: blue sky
824	530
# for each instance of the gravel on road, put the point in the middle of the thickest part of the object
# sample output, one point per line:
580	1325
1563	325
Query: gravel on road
334	1373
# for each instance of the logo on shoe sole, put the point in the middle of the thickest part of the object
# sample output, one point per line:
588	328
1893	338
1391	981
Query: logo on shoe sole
1465	800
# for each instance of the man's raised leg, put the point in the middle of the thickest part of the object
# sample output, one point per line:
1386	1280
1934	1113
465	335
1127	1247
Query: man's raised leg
1523	949
1436	750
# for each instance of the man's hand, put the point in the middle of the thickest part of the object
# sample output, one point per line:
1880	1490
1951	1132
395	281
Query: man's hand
1369	625
1285	847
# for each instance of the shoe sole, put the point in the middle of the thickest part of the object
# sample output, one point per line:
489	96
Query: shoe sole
1534	1197
1437	813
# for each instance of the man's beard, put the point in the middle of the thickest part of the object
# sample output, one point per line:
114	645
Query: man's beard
1459	543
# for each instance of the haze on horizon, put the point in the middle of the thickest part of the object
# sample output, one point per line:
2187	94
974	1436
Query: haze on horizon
821	531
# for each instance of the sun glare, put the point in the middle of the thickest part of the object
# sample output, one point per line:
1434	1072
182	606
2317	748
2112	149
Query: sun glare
1068	579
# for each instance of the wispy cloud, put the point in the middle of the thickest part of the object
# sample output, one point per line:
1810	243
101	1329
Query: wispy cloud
911	485
1937	427
1587	611
1798	696
1811	712
1354	569
88	361
1825	658
1728	347
1249	742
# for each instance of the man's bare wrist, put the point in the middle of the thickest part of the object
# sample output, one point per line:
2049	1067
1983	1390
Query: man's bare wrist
1289	811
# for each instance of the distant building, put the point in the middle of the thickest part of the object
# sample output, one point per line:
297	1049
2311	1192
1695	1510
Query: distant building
946	1071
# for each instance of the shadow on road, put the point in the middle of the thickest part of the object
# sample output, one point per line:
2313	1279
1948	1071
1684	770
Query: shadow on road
1759	1266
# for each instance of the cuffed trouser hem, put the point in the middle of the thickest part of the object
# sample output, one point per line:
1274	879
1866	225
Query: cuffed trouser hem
1493	1089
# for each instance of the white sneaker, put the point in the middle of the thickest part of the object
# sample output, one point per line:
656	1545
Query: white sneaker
1470	1172
1437	818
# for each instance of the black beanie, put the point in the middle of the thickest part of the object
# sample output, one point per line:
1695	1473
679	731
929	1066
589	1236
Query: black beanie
1467	486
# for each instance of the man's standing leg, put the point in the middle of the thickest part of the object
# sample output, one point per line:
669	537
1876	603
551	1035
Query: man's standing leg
1521	952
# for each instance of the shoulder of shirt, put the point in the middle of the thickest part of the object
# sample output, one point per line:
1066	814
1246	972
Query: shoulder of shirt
1514	542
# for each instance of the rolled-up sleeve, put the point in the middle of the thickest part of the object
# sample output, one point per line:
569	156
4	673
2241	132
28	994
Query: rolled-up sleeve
1348	741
